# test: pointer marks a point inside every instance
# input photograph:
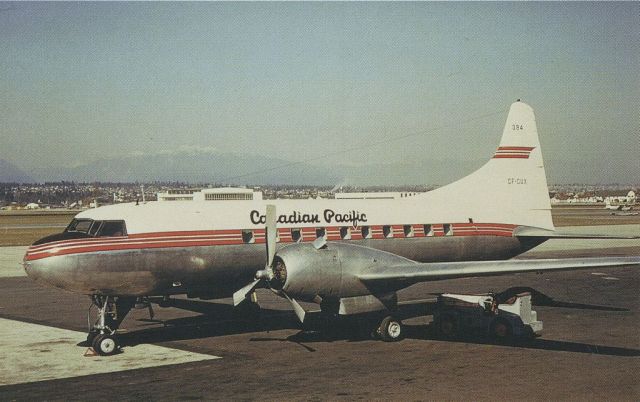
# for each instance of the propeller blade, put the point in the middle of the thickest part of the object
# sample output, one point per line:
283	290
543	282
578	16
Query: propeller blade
297	308
271	233
240	295
320	242
265	274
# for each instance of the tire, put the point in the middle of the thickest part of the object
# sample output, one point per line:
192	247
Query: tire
390	329
447	326
105	345
91	336
501	330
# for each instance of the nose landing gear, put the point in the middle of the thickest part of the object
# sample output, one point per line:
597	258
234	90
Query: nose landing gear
105	345
111	312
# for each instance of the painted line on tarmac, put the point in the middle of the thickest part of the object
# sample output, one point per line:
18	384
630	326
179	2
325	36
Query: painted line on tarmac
32	352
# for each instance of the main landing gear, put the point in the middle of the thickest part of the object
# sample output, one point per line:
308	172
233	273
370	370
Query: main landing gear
111	312
382	325
390	329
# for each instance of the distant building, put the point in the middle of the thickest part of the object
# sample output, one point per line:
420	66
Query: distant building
629	199
32	205
211	194
376	195
177	195
570	198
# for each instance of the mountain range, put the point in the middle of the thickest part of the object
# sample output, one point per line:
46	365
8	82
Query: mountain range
10	173
228	168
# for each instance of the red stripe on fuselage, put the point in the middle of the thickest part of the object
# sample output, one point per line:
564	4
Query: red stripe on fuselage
234	237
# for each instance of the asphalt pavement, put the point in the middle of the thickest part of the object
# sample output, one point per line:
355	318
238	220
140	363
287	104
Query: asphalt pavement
589	349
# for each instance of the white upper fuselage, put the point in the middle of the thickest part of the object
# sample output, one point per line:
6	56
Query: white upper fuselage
428	208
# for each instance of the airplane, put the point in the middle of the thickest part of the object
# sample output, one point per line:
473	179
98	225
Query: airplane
617	207
349	256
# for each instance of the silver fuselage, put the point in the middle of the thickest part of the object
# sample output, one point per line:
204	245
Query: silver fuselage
217	271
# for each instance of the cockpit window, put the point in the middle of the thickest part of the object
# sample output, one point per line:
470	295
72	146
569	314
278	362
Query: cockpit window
86	228
112	228
97	228
94	228
79	225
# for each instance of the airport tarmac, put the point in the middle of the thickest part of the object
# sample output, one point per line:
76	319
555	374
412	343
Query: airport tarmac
589	349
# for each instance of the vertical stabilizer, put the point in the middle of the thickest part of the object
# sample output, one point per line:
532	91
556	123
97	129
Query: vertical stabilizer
511	187
520	137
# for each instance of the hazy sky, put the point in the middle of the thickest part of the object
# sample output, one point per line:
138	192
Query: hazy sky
80	81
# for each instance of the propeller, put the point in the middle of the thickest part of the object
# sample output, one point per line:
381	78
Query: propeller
268	273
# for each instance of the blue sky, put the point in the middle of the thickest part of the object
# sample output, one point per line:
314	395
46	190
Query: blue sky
80	81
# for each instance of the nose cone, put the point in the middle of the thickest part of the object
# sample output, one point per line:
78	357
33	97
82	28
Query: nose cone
38	261
45	269
34	269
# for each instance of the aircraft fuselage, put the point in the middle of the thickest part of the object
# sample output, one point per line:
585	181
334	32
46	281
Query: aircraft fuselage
176	254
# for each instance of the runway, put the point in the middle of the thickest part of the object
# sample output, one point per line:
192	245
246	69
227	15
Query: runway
589	349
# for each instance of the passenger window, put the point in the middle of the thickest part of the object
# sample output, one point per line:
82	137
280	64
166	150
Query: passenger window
112	229
345	233
366	232
320	232
387	231
428	230
448	231
408	231
296	235
247	236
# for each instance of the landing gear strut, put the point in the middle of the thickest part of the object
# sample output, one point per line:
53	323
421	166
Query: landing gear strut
111	312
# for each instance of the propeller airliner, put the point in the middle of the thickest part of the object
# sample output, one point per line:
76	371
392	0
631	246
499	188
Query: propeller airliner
349	256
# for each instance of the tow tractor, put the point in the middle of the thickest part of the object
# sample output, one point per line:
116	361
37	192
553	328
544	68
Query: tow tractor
459	315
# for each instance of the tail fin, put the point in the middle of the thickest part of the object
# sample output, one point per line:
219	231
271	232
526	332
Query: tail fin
520	136
511	187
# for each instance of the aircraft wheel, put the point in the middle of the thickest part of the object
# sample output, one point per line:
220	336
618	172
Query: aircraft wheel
390	329
501	330
105	345
91	336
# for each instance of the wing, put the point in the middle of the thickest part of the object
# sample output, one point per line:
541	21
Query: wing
525	231
423	272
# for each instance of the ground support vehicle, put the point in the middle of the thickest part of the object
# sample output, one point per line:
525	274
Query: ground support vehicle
458	315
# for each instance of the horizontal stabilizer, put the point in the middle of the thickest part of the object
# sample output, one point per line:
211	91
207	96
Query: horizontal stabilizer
559	234
424	272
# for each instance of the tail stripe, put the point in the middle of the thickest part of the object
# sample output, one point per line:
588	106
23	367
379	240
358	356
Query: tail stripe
513	152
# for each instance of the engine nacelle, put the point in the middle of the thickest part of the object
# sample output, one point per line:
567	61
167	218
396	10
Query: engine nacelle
306	273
